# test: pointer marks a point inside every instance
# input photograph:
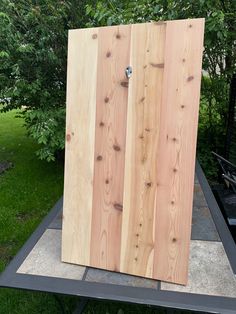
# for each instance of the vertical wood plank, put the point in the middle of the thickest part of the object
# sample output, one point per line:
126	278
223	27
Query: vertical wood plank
128	193
145	92
176	148
80	133
111	112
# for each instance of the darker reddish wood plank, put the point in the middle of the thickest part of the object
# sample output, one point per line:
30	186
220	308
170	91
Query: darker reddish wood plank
110	133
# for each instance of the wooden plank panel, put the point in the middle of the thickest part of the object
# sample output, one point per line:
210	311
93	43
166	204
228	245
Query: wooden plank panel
112	97
176	149
80	134
143	123
128	193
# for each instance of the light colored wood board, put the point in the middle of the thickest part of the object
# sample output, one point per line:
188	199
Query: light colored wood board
147	169
111	114
143	123
177	148
80	137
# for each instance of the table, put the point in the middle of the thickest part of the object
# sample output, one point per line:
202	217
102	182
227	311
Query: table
212	266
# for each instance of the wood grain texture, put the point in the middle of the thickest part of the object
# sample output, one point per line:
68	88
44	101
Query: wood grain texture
176	149
80	137
143	123
111	113
130	149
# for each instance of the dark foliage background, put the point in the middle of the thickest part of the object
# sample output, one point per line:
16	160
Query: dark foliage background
33	41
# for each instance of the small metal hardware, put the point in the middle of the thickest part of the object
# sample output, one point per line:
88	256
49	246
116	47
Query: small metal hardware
128	71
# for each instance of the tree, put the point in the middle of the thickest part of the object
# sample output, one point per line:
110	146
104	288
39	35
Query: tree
217	122
33	62
33	65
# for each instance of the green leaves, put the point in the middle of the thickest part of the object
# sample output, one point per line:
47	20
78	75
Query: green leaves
24	48
219	60
33	58
33	41
4	54
47	128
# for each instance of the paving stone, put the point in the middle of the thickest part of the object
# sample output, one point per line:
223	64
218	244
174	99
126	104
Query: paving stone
209	271
45	259
198	197
203	227
103	276
57	221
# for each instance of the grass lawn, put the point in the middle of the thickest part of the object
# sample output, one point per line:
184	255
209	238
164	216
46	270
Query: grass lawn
27	192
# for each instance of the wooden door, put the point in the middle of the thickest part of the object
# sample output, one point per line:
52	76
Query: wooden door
130	147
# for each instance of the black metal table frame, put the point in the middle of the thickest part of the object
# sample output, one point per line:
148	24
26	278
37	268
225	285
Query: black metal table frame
84	289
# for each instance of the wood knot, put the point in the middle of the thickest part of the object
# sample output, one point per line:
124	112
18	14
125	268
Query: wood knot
174	139
145	66
147	129
94	36
140	225
157	65
101	124
136	259
106	99
136	245
107	181
174	240
148	184
68	137
108	54
118	36
142	99
182	106
190	78
118	206
174	170
137	235
172	202
190	26
124	84
116	147
183	60
99	157
144	158
141	136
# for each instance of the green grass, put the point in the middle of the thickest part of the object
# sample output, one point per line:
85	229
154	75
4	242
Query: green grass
27	192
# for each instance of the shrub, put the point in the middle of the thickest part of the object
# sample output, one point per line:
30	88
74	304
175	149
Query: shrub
33	65
217	105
